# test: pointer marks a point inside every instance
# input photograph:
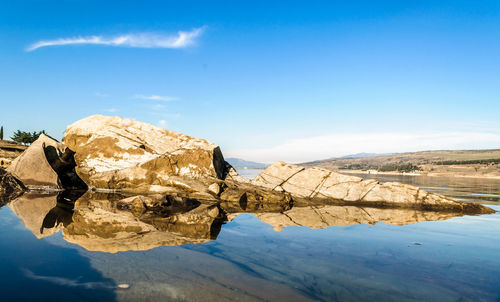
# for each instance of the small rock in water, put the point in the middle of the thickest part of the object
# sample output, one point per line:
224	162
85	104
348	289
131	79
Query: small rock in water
417	243
123	286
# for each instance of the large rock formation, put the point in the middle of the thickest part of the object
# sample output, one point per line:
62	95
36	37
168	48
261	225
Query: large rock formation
310	184
47	164
130	156
10	187
116	153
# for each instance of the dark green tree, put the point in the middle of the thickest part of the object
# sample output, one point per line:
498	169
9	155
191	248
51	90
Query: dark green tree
35	135
26	138
1	133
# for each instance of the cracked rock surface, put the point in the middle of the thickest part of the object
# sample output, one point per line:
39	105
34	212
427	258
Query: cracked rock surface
117	153
320	184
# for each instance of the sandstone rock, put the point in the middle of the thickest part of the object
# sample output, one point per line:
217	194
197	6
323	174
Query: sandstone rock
237	197
47	164
10	187
116	153
309	184
214	188
123	286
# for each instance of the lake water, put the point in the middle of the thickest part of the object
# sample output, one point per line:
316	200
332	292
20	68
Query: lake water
321	253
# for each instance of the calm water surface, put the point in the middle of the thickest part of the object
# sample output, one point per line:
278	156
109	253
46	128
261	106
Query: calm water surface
311	254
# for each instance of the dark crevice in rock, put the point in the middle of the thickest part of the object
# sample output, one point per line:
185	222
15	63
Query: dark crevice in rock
137	140
319	186
290	177
64	165
173	205
243	201
10	187
344	182
368	191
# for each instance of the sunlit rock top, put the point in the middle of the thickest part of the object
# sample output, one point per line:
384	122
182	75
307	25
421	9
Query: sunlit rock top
124	149
320	184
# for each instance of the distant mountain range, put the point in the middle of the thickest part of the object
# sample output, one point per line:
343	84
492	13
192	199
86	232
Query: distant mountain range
435	162
350	156
358	155
241	163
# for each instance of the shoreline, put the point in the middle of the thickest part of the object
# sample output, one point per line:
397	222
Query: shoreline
437	174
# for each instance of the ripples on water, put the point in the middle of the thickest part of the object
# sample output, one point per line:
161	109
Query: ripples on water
321	253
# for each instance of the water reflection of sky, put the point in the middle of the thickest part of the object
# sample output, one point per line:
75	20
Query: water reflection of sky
442	261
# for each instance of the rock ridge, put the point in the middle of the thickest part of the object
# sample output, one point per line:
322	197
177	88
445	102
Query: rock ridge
124	155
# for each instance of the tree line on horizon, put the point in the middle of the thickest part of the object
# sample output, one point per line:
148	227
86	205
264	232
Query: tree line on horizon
23	137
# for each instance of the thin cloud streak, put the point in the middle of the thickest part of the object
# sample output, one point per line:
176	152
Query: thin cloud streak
156	98
141	40
61	281
162	123
328	146
102	95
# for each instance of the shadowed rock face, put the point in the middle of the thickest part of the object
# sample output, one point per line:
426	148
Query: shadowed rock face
116	153
313	184
237	197
10	187
47	164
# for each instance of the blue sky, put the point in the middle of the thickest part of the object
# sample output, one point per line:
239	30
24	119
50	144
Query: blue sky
267	81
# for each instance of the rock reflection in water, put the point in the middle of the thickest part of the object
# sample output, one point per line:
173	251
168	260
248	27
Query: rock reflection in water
317	217
102	224
45	214
113	222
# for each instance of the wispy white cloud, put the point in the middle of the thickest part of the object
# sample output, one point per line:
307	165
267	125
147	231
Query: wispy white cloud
327	146
112	110
102	95
162	123
140	40
166	115
156	97
159	107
